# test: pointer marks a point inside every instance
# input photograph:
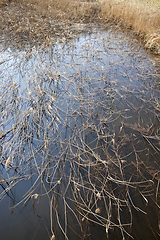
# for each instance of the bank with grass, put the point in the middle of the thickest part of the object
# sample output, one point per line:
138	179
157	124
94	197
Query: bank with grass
143	17
33	16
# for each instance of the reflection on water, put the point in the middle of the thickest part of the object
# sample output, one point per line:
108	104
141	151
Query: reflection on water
80	140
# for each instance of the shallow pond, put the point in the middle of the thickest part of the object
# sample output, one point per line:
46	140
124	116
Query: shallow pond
80	139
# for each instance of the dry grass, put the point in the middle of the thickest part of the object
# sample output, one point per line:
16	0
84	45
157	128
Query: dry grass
72	128
42	21
66	9
143	17
73	132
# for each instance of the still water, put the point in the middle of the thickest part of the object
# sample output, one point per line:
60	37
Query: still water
80	139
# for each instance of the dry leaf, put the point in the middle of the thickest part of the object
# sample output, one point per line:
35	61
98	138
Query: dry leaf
97	210
7	162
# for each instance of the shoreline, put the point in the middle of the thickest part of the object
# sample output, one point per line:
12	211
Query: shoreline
141	17
138	16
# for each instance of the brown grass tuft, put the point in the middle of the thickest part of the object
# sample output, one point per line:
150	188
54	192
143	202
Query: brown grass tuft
68	9
142	17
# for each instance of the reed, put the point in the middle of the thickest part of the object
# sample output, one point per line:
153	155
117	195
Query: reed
140	16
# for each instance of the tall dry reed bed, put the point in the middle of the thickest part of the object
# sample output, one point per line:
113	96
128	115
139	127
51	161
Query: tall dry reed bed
143	17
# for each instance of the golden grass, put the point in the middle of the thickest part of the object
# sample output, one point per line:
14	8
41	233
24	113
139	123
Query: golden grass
67	9
142	16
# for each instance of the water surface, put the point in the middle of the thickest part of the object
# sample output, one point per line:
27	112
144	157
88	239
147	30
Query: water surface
80	139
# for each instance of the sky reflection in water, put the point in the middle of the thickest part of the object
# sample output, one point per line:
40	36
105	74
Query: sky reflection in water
80	140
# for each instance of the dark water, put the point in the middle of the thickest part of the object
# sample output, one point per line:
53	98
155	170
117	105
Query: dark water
80	140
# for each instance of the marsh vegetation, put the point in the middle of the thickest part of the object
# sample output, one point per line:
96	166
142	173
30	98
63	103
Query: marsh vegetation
79	127
34	19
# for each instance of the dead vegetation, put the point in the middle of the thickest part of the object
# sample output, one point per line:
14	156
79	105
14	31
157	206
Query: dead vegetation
42	22
33	20
81	119
140	16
